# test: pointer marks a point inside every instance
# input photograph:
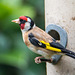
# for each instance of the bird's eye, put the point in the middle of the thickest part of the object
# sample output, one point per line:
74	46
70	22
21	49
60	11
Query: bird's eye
21	19
24	20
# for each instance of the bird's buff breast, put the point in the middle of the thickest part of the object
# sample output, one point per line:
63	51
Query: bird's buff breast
37	50
33	48
28	44
40	52
43	52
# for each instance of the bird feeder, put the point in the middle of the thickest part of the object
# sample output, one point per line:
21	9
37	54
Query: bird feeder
60	18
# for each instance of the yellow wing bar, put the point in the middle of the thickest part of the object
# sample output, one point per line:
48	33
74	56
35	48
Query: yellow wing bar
50	48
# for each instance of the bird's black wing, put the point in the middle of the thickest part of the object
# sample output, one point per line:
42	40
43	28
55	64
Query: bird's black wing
53	44
57	45
63	49
35	42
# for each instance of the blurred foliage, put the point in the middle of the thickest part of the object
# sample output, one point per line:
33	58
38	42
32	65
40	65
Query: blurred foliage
15	57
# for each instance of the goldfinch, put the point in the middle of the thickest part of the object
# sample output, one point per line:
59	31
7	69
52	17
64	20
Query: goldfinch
39	41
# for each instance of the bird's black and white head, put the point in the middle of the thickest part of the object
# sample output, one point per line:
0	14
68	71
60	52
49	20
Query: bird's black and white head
25	23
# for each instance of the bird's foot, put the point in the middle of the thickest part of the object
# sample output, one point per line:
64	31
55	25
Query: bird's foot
41	59
54	59
38	59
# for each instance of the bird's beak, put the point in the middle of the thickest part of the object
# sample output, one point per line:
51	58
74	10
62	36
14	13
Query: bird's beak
16	21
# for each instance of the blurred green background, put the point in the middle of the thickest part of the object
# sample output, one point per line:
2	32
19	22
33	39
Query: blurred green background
15	57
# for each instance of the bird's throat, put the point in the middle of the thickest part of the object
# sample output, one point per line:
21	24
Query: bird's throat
22	26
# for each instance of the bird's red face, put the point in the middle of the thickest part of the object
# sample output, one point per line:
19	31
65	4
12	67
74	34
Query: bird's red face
25	23
21	21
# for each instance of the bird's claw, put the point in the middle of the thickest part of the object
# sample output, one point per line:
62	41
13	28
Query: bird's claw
41	59
37	60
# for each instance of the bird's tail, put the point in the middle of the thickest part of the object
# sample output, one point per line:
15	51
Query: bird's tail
68	53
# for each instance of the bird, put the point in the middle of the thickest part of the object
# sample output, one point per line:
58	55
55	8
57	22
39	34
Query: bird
40	42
